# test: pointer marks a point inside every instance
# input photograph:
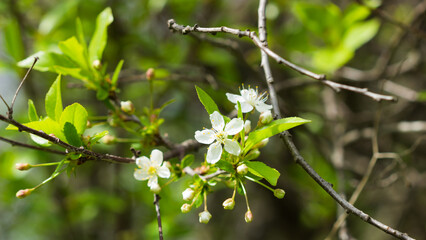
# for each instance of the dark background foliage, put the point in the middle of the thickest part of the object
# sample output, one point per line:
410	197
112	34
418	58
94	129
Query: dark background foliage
103	200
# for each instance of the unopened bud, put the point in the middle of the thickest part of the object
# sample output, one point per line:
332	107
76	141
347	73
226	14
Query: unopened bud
155	188
108	139
229	204
188	194
97	64
127	107
185	208
253	154
249	216
265	117
262	143
247	126
242	169
22	166
150	73
204	217
279	193
23	193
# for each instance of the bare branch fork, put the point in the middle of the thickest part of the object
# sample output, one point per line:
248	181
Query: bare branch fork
259	42
287	139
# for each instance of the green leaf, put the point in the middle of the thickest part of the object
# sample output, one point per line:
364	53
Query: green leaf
32	112
47	125
75	51
259	168
187	161
56	16
80	34
116	73
76	115
47	61
40	141
98	136
53	100
76	72
360	33
226	166
101	94
272	129
13	41
72	135
206	100
99	39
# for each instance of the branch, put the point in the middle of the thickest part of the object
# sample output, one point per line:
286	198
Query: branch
260	42
287	139
15	143
157	209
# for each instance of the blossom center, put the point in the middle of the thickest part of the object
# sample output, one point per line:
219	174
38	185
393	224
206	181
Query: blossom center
152	170
221	136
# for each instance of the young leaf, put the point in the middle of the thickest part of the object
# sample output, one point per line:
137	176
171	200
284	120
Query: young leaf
99	39
116	73
13	43
32	112
272	129
71	135
80	35
259	168
75	51
187	161
76	115
53	100
98	136
48	61
47	125
226	166
206	100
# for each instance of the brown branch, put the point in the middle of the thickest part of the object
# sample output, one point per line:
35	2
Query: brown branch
157	210
19	144
280	60
287	139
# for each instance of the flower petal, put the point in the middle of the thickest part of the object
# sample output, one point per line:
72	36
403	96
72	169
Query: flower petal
234	126
156	157
217	121
205	136
214	152
141	175
262	107
245	107
152	180
232	147
143	162
163	172
234	98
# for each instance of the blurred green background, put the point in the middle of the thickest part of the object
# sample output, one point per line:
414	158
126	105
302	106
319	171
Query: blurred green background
343	39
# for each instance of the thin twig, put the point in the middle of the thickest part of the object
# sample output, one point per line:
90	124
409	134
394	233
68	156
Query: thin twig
157	209
10	110
19	144
286	137
280	60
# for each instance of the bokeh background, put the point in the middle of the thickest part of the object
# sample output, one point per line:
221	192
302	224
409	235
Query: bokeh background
375	44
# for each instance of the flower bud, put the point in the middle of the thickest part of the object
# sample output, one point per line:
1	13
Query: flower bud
242	169
279	193
188	194
155	188
127	107
253	154
204	217
185	208
265	117
150	73
229	204
97	64
262	143
249	216
23	193
247	126
22	166
108	139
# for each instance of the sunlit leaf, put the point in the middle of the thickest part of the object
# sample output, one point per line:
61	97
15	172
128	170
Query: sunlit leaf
76	115
99	39
259	168
53	100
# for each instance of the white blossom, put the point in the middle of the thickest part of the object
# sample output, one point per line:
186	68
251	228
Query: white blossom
150	169
250	99
218	136
204	217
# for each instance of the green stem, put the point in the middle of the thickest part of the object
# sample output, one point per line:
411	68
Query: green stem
260	183
245	194
46	164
